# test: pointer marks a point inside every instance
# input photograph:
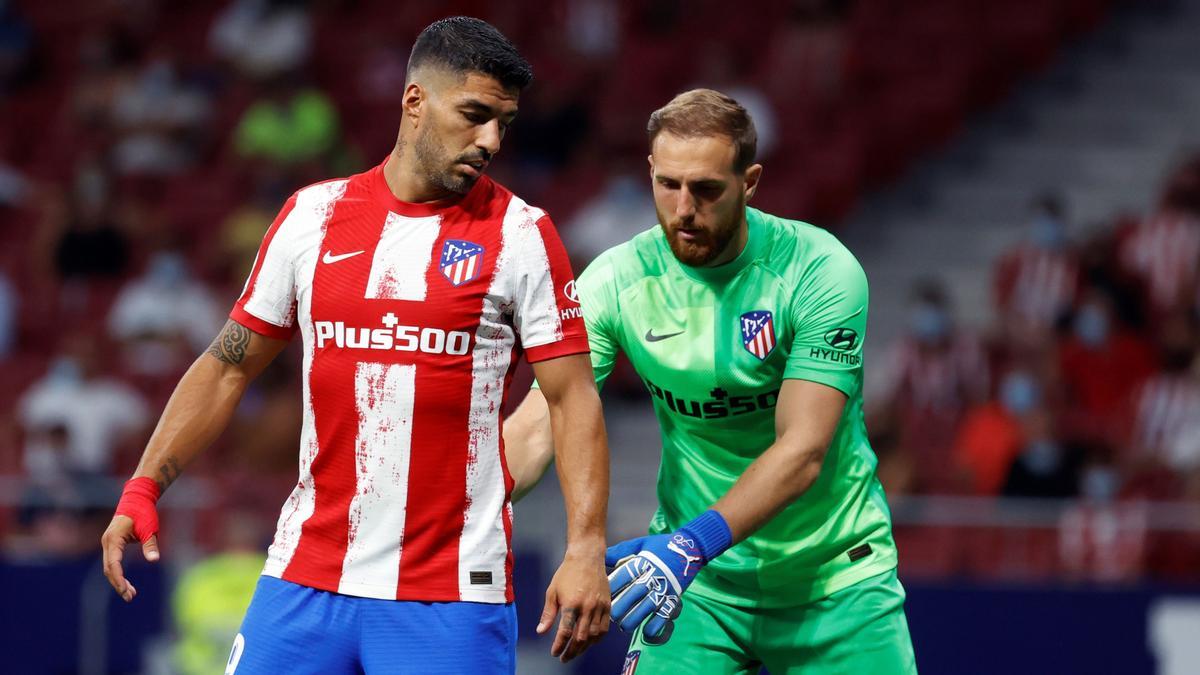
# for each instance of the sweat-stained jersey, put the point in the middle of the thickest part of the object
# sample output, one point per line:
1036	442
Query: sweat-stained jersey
713	346
412	317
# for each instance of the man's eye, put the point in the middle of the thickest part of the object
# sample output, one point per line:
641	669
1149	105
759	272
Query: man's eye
475	118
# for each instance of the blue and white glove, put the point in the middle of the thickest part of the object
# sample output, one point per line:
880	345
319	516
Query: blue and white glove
652	572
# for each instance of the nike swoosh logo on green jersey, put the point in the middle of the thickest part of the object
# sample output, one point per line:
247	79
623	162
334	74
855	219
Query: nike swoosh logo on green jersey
651	337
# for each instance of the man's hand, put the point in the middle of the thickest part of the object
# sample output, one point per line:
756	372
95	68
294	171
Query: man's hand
136	520
653	572
579	590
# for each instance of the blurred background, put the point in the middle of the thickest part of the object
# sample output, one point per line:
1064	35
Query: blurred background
1020	179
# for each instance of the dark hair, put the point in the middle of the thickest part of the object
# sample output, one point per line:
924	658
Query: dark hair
468	45
704	112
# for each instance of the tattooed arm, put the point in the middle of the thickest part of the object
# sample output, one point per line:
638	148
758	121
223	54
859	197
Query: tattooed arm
198	411
204	400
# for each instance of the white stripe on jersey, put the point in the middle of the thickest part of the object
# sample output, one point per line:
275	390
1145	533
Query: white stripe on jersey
483	546
383	395
403	257
273	298
536	316
302	501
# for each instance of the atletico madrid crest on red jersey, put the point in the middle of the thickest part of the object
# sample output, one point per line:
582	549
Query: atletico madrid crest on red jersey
758	333
461	261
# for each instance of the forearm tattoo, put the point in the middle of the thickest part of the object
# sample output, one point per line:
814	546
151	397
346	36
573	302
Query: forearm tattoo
168	472
230	345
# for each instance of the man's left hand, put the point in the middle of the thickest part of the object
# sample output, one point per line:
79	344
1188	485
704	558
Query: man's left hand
580	591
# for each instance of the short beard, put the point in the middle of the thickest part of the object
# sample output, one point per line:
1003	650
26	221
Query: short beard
717	242
430	157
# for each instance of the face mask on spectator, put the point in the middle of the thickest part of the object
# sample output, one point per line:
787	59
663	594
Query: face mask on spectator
1047	232
1042	456
929	323
1091	326
1019	393
65	370
1099	484
167	269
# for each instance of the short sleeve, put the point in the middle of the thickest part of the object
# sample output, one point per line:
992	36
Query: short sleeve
546	313
598	298
829	321
268	302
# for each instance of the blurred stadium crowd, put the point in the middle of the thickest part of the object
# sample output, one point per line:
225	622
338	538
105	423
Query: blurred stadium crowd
146	146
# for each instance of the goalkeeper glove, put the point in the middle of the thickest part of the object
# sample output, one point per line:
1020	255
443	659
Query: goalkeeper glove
652	572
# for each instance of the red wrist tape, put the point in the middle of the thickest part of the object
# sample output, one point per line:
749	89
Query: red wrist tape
138	501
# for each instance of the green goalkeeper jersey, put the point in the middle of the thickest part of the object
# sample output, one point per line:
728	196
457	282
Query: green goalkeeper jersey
713	346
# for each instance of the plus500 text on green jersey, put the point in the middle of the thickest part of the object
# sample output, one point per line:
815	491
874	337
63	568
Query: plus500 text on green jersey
713	347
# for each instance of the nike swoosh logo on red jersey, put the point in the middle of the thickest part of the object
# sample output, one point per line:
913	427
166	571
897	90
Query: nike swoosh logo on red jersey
331	258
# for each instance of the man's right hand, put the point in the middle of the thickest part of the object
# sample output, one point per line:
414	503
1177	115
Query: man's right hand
136	520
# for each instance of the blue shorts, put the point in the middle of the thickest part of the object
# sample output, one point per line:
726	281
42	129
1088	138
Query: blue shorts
296	629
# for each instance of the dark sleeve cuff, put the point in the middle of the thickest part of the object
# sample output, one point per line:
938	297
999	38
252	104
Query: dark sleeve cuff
564	347
259	326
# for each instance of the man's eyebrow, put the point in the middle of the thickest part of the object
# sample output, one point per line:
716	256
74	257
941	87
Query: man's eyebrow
482	107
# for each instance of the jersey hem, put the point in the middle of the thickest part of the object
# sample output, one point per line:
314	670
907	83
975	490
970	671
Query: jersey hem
488	596
842	384
261	326
726	592
565	347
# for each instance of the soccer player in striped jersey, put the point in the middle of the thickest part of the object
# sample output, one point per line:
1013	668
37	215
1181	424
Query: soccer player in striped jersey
415	287
747	330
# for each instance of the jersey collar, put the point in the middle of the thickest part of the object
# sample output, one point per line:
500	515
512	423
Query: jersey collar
729	270
383	194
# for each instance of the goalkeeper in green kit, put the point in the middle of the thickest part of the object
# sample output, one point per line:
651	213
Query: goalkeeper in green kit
747	329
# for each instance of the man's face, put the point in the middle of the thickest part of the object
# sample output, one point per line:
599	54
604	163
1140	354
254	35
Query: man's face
699	198
462	123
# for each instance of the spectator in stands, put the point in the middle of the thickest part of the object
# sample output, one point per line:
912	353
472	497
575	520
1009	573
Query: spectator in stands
91	242
994	433
263	39
618	211
165	317
158	118
1102	363
1036	282
925	382
1166	408
291	124
1046	467
1162	251
211	596
75	418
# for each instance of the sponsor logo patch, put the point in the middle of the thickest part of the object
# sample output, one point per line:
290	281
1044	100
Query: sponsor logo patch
844	339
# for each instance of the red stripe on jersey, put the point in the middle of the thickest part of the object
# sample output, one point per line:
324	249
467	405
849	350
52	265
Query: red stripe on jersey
574	334
440	446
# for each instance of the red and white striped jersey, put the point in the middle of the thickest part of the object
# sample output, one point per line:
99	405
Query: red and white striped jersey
1164	251
1037	284
412	316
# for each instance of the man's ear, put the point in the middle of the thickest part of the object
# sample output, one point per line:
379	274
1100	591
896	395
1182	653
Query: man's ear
753	173
413	103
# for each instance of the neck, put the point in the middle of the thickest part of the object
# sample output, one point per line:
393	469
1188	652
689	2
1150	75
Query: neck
405	182
736	245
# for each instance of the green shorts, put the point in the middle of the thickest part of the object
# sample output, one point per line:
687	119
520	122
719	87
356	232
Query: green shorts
858	630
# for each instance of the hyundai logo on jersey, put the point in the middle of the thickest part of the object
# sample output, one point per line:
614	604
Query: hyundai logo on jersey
461	261
758	333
